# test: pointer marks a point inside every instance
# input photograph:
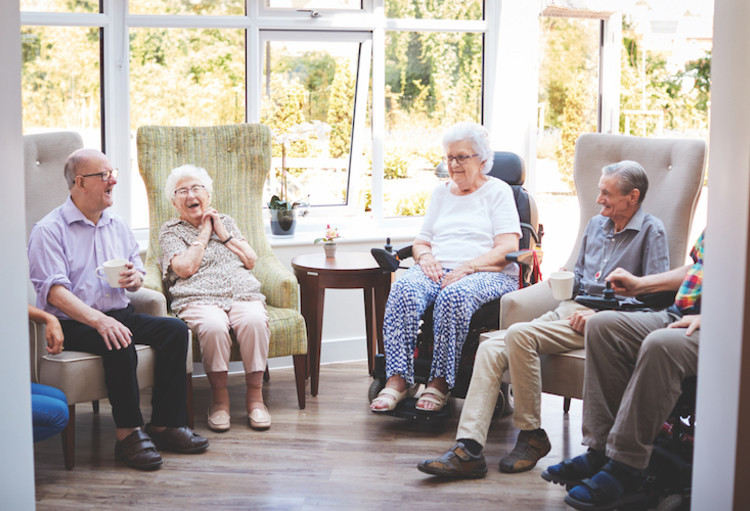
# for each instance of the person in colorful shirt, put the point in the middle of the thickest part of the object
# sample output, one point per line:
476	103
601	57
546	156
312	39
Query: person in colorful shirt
635	364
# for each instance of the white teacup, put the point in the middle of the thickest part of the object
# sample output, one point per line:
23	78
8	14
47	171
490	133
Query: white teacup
111	271
562	284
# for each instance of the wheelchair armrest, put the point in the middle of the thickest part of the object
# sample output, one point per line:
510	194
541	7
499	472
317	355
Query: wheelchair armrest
525	257
659	300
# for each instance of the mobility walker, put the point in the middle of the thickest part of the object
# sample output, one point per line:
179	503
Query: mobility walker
510	168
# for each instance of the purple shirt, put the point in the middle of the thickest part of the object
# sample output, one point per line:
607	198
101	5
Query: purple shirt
65	248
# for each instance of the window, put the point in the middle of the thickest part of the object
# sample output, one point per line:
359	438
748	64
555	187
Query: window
433	80
309	85
61	81
386	87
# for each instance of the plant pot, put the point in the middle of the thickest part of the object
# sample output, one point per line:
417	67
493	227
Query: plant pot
330	249
283	221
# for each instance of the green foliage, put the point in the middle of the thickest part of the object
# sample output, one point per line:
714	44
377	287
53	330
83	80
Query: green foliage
416	205
574	123
395	166
340	111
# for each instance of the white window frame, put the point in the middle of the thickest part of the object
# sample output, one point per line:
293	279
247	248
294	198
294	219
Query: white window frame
509	135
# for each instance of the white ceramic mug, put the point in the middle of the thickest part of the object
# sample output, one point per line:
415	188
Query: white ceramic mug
111	271
562	284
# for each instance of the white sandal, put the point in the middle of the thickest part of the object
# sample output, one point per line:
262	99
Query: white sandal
390	397
434	396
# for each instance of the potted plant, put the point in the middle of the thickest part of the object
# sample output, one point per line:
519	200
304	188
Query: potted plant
329	241
283	212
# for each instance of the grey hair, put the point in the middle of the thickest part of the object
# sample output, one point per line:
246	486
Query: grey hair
70	170
184	171
479	138
630	175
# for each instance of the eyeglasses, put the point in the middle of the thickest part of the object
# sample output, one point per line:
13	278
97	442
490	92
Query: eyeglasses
106	175
195	189
460	159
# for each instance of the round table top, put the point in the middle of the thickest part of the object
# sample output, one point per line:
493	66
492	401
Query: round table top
344	261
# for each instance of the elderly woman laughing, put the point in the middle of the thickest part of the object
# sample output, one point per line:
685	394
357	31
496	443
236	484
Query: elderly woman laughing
207	267
470	225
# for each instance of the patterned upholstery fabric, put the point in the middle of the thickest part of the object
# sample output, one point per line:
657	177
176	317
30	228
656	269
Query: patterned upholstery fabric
238	158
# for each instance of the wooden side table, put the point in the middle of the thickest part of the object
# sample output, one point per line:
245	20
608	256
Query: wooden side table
348	270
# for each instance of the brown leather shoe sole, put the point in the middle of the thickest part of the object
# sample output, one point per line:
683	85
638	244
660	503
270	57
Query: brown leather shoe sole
181	440
138	451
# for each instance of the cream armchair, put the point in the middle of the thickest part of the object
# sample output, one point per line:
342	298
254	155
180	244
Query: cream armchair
675	169
79	375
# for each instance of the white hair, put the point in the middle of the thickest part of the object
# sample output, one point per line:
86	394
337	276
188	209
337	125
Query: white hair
479	138
184	171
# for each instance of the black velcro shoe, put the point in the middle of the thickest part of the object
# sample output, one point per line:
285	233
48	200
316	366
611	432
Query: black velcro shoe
531	446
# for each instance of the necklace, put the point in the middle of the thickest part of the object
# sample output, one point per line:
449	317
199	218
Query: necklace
606	257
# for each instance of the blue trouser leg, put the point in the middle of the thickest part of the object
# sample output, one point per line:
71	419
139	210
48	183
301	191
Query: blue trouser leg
49	411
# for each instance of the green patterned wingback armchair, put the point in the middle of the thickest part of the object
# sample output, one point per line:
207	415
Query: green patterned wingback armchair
238	158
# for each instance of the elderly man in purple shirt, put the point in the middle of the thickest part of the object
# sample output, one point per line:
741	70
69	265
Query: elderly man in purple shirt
65	248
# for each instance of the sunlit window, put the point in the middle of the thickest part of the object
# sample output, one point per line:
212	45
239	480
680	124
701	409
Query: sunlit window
308	93
183	77
464	10
216	8
314	4
60	5
61	81
433	80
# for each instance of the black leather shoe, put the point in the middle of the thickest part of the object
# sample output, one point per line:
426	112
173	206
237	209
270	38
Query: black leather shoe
182	440
138	451
456	463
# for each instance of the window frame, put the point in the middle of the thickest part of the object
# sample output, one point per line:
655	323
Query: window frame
116	22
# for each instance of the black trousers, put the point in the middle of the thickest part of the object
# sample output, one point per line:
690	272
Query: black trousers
169	337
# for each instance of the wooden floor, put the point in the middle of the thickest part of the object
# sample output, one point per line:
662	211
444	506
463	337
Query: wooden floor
335	454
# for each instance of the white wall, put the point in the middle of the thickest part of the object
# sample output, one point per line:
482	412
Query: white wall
719	448
17	468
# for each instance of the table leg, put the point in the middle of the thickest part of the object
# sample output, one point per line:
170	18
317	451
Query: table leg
311	302
381	297
370	326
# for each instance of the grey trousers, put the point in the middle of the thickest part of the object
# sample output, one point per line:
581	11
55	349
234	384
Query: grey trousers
634	368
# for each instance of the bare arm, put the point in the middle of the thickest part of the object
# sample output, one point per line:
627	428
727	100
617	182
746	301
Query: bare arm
421	251
186	263
494	260
240	247
115	334
626	284
53	331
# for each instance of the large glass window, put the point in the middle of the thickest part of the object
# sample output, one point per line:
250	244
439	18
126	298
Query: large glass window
568	94
183	77
464	10
60	5
433	79
220	7
61	81
308	100
314	4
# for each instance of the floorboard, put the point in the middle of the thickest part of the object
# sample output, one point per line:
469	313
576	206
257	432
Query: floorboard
335	454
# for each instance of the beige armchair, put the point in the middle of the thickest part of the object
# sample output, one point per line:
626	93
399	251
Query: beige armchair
238	158
79	375
675	169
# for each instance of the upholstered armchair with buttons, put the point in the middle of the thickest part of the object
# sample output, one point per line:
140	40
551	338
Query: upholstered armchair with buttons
79	375
238	159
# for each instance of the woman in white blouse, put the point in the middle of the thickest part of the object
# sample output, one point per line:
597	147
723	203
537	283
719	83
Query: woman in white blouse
470	225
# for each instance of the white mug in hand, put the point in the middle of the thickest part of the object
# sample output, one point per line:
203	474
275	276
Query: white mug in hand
562	284
112	270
